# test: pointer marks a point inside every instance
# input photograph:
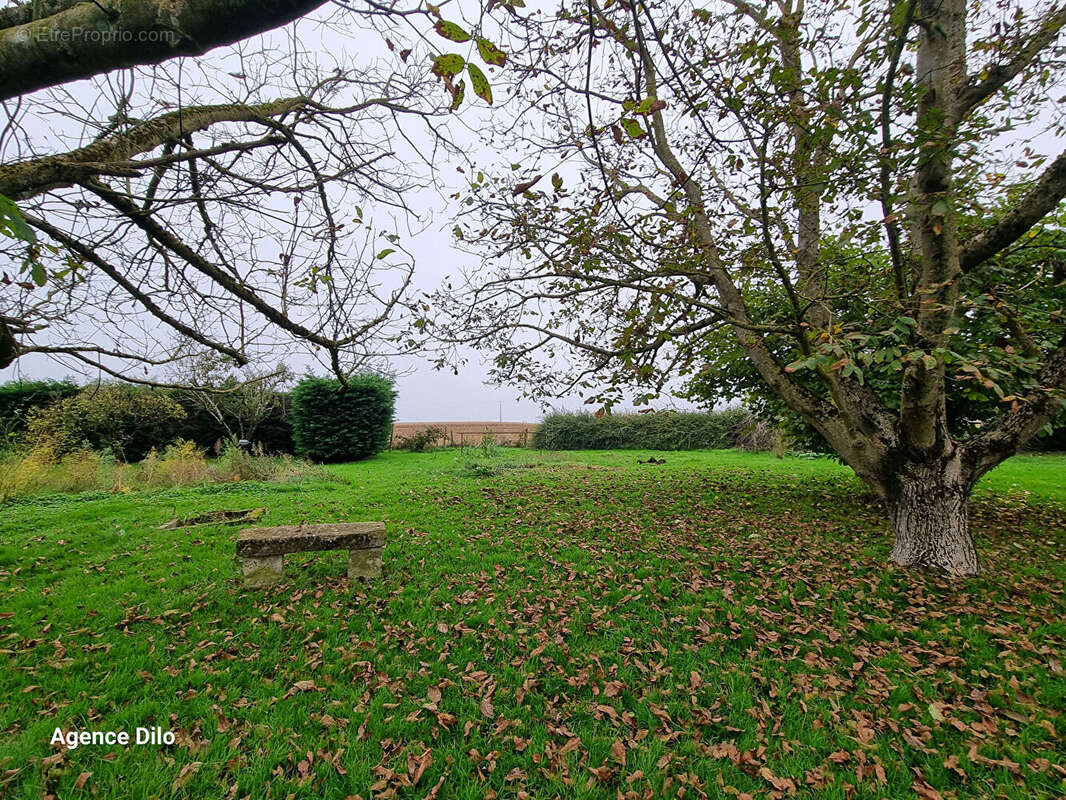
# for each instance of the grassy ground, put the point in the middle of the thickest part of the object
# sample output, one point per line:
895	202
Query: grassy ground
721	625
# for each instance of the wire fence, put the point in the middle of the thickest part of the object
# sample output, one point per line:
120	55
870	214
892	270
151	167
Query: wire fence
467	434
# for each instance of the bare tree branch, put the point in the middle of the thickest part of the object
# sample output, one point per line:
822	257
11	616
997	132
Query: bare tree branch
1046	193
23	179
979	89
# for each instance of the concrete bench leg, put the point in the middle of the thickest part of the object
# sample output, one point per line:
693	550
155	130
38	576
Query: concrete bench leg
364	563
262	571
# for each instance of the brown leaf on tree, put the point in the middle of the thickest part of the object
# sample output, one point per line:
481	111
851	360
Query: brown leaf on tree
525	186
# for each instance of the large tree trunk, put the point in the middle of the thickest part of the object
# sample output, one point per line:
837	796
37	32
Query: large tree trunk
927	505
8	345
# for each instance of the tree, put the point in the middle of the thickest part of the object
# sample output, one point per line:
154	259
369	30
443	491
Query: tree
712	164
334	422
192	207
724	373
239	403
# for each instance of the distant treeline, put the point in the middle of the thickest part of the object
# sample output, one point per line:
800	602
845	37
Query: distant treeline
661	430
711	430
133	420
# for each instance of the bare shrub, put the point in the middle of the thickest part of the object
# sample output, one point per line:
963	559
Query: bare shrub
759	436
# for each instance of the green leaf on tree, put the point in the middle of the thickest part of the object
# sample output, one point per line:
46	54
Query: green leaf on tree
448	65
632	127
387	251
490	53
449	30
12	223
479	83
649	105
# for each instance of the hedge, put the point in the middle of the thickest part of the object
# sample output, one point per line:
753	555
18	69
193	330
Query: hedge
662	430
333	422
19	398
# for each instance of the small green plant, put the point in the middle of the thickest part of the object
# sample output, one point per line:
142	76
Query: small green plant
479	468
20	473
488	448
424	440
757	435
183	464
483	461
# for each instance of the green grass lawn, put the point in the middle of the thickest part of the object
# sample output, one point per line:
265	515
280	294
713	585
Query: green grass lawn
724	625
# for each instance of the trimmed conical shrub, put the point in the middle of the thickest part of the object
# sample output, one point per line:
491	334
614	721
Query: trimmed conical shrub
342	422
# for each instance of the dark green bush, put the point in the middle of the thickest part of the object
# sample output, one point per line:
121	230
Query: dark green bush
274	433
19	398
331	422
1051	442
662	430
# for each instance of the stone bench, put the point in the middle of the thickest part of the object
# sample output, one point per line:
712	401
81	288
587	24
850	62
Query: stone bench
262	550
